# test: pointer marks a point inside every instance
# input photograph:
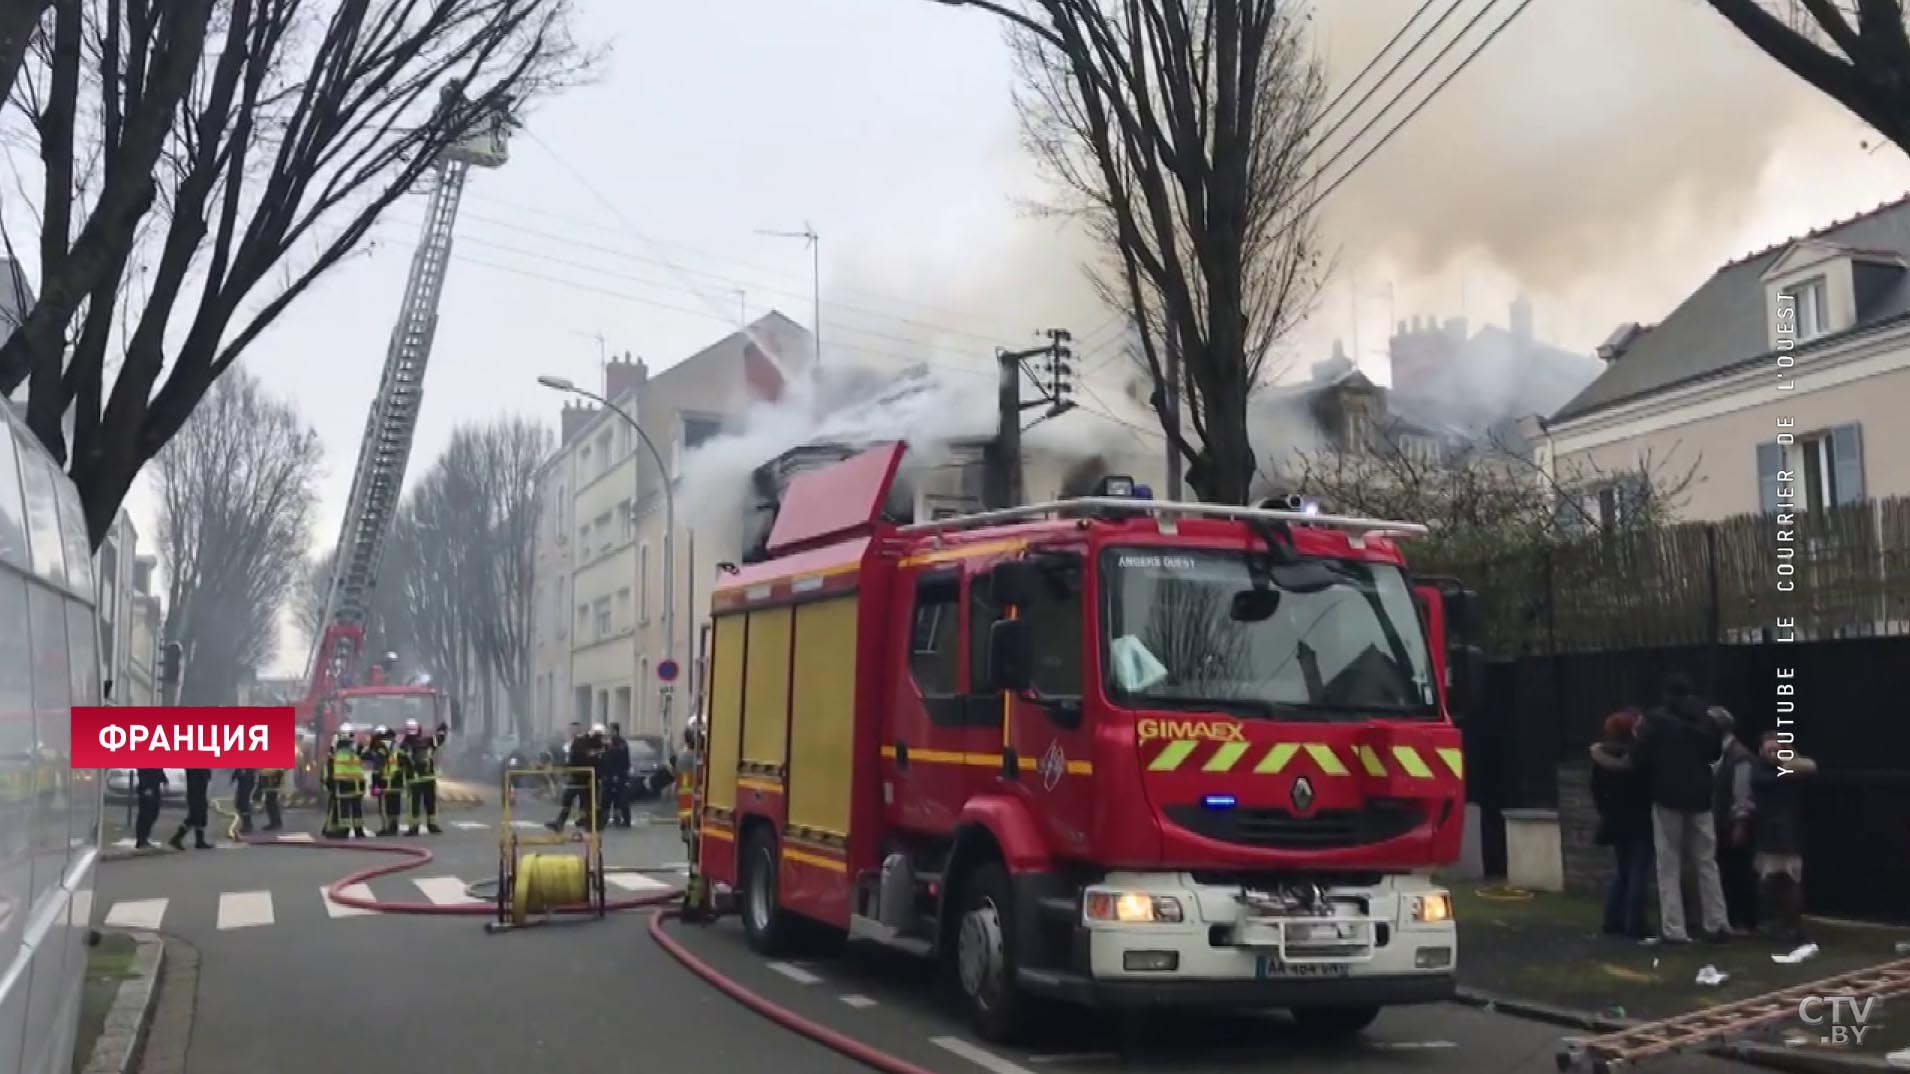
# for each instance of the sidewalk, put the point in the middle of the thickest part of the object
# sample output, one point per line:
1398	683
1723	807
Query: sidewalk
1547	951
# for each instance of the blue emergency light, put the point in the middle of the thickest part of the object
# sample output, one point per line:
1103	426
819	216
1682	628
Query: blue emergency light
1218	801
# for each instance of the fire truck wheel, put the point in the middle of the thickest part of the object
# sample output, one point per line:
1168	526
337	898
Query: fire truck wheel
1334	1023
985	956
765	925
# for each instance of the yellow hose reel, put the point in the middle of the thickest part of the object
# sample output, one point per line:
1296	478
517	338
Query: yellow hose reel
548	881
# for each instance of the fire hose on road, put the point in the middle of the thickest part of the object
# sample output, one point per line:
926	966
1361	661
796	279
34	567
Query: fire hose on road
414	856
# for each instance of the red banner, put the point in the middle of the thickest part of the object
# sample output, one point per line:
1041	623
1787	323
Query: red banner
203	737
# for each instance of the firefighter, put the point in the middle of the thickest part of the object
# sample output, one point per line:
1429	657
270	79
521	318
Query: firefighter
271	782
345	778
580	755
617	789
685	774
148	783
387	785
198	804
244	780
420	768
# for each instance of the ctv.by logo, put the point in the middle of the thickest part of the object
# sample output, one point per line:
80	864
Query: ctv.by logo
1846	1023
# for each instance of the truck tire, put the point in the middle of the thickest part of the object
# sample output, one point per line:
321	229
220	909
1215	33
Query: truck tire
765	925
983	957
1335	1022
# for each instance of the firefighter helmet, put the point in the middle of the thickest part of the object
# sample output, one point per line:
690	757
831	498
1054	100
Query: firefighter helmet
381	731
411	727
345	730
598	729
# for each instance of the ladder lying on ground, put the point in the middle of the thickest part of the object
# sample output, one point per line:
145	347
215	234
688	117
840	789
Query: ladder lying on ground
1609	1053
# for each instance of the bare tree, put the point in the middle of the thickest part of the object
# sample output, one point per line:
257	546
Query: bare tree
1178	133
237	491
508	453
387	620
275	134
1856	51
1486	500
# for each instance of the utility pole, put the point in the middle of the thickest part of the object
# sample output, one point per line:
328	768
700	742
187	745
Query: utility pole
1170	398
1001	484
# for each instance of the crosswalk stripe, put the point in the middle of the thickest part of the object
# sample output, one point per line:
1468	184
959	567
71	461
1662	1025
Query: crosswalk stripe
445	890
794	973
137	914
526	824
635	882
469	825
339	909
244	909
297	837
122	844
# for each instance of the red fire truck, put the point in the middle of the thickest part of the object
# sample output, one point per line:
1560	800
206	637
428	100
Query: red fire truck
1107	750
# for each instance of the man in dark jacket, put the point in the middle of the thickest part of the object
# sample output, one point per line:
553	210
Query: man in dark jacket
617	770
1624	824
581	754
148	784
198	803
1731	816
1676	748
1777	793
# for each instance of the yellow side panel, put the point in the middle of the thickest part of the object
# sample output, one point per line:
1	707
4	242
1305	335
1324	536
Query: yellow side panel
726	709
822	726
766	694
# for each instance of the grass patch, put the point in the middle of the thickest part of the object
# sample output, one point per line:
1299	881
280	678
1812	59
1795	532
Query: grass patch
107	964
111	958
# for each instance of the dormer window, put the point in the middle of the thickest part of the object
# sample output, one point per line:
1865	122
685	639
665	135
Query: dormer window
1809	308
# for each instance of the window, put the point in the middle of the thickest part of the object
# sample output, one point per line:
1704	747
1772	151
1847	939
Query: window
583	539
643	584
935	635
583	619
1620	502
604	457
623	606
691	435
603	617
43	516
627	513
1815	471
982	613
13	527
1054	621
1810	309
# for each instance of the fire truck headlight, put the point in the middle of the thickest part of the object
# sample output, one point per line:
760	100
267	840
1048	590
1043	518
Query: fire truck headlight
1129	907
1432	909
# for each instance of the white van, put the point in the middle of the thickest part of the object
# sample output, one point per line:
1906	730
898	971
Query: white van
49	814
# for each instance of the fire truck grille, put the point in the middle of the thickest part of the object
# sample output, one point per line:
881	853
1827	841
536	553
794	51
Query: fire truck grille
1277	829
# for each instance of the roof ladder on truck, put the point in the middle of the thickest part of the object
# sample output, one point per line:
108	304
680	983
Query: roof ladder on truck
1615	1051
390	426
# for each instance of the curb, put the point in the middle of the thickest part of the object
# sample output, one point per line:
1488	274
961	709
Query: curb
1770	1057
117	1048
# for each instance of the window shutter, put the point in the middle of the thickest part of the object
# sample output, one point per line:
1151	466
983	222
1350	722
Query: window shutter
1847	462
1770	459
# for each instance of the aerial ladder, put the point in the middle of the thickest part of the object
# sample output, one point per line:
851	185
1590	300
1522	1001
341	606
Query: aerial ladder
334	691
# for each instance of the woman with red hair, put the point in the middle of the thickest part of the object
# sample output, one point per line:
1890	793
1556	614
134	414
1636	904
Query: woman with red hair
1624	824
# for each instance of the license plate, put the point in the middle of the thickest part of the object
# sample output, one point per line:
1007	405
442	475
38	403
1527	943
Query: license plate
1270	967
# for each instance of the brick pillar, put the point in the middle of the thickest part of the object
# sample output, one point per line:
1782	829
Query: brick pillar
1588	867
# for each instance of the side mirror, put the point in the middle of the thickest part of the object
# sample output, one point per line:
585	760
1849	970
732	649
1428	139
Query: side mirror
1466	688
1010	655
1464	616
1255	605
1012	582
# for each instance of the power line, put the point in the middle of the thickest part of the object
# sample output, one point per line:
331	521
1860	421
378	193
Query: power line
1441	85
1416	79
1397	34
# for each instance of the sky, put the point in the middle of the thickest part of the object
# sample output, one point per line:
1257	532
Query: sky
1602	157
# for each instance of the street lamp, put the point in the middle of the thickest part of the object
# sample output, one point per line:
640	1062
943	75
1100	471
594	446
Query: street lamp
669	524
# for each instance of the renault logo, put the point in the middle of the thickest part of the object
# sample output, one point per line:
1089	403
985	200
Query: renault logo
1302	794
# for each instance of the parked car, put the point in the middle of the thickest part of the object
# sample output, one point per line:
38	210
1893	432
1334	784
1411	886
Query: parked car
119	785
649	768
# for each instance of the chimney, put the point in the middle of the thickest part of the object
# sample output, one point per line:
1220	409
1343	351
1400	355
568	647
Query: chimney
622	376
1521	323
575	417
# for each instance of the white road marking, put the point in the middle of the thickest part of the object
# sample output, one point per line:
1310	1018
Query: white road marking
528	824
122	844
339	909
981	1057
138	914
858	1002
1411	1045
469	825
297	837
634	882
244	909
445	891
795	973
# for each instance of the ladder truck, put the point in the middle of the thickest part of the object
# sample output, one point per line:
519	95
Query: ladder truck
335	694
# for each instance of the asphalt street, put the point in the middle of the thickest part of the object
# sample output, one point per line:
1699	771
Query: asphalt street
285	975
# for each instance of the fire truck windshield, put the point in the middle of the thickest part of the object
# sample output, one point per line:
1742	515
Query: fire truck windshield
391	710
1342	642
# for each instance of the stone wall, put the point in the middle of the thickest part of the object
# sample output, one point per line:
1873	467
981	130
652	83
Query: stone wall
1588	867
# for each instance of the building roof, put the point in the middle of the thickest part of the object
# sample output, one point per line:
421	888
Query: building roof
1722	325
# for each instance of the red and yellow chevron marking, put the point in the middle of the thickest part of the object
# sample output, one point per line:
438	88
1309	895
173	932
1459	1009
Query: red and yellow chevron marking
1400	760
